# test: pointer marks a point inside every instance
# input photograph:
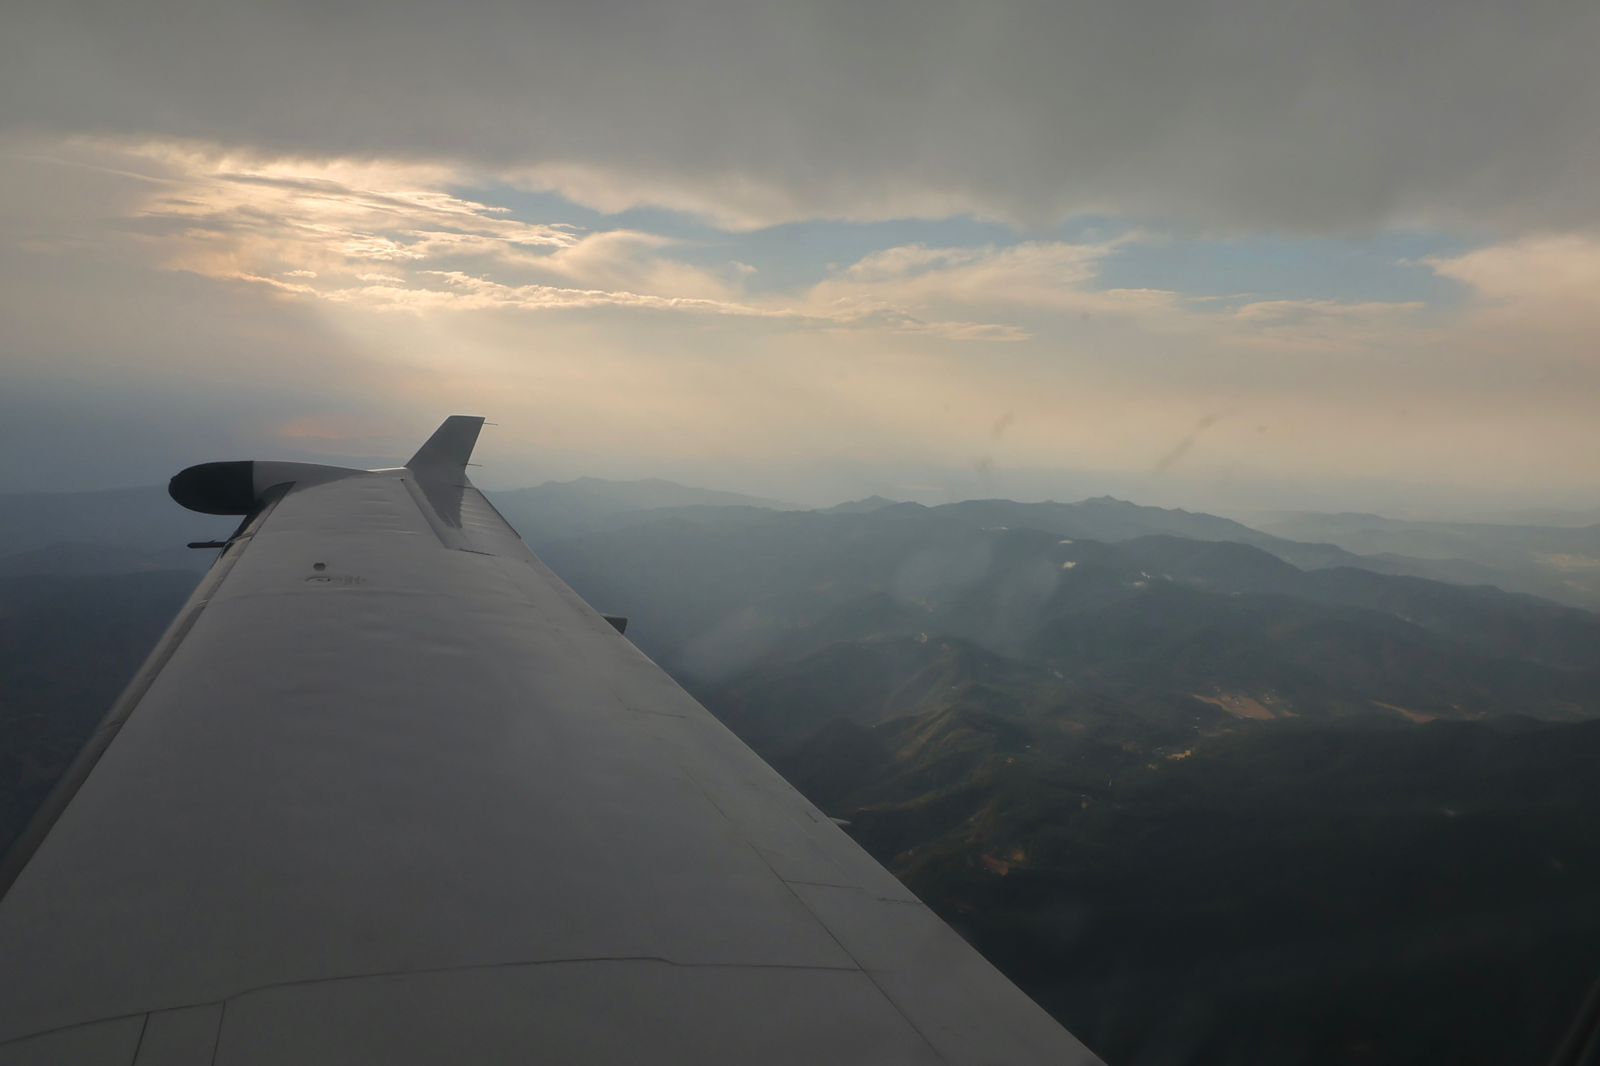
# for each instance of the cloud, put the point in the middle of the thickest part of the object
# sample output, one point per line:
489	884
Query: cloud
1049	276
1255	114
1037	273
1532	314
1060	280
1553	280
630	259
1311	326
234	293
1294	313
315	228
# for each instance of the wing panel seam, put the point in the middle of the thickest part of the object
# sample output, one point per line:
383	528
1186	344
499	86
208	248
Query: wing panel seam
909	1020
425	971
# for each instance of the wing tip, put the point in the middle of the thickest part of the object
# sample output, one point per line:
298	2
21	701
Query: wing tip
451	444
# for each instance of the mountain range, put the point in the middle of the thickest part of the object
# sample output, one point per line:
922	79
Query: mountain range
1560	560
1209	793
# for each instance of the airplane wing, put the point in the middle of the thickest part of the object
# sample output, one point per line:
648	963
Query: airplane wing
389	792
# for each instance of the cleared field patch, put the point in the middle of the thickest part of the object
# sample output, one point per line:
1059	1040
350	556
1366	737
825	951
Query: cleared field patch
1242	706
1419	717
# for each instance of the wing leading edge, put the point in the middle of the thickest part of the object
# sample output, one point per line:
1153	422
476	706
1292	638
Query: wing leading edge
389	791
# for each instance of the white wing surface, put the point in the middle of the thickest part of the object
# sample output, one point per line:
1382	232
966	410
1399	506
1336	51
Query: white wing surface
390	792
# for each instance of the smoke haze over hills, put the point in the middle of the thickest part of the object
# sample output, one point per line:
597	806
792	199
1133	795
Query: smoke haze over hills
1140	757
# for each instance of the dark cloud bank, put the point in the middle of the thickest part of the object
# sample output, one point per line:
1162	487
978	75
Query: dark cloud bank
1227	113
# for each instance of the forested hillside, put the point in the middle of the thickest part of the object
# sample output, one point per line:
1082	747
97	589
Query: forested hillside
1203	804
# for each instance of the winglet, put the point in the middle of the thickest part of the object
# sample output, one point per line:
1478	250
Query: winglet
451	444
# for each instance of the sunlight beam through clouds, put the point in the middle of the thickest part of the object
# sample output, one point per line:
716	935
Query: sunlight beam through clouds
613	341
376	237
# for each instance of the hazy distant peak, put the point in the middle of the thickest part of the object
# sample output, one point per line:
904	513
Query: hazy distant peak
642	494
1556	517
1115	501
862	506
559	509
587	481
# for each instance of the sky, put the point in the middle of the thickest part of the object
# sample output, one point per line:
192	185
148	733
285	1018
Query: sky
1221	254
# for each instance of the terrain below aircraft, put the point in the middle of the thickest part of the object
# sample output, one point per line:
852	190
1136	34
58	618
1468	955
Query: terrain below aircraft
388	791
